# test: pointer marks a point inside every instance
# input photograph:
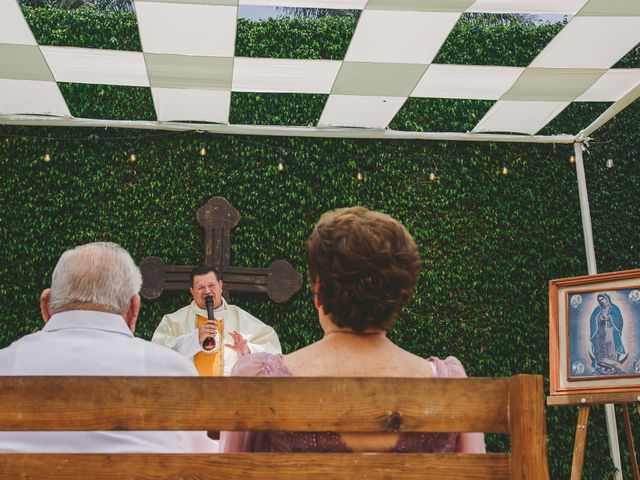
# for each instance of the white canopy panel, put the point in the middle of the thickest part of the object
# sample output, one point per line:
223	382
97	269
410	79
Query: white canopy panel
13	26
466	81
358	110
188	62
187	29
569	7
519	116
284	75
612	85
190	46
399	37
32	97
90	65
179	104
591	42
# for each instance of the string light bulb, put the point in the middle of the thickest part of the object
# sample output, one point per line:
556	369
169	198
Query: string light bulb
280	166
609	162
432	172
203	151
504	170
572	159
359	175
133	157
47	153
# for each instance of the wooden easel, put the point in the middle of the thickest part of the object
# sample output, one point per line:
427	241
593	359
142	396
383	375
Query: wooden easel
584	403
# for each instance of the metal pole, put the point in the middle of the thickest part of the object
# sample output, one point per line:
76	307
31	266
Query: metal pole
620	104
584	211
610	414
280	130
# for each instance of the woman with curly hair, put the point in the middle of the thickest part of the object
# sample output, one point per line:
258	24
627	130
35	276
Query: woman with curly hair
363	267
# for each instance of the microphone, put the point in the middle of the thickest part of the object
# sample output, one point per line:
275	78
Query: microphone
209	343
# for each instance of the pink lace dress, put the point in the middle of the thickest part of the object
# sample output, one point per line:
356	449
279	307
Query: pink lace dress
270	365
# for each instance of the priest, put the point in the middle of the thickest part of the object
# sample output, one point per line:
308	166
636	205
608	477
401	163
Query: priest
213	345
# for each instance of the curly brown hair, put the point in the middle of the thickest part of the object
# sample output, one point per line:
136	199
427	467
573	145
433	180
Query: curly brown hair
365	265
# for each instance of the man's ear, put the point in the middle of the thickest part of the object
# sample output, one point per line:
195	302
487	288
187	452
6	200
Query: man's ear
131	316
191	291
221	287
45	296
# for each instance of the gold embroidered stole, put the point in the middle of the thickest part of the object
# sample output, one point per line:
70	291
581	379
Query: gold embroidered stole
211	363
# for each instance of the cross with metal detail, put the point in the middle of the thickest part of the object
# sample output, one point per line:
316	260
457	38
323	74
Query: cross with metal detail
279	281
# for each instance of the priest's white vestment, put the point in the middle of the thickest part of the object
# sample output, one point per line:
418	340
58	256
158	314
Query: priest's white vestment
178	331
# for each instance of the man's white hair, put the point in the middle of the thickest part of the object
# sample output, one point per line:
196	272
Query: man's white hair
101	273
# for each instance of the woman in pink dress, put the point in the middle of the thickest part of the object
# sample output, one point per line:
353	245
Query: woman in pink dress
363	267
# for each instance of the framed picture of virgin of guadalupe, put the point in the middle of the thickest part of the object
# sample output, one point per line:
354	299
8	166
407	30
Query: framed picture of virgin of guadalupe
594	333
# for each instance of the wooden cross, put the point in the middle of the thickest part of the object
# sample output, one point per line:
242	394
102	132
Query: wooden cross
279	281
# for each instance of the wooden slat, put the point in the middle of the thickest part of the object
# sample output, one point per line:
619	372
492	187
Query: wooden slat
593	398
294	404
177	275
528	428
259	466
553	337
260	287
596	278
250	271
630	443
580	442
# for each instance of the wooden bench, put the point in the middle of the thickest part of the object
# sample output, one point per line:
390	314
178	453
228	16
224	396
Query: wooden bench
498	405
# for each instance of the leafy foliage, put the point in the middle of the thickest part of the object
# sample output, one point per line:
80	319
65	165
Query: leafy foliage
490	40
125	102
440	115
325	38
490	243
83	27
276	108
106	5
316	12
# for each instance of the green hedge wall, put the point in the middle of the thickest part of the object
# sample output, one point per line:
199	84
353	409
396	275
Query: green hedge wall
490	243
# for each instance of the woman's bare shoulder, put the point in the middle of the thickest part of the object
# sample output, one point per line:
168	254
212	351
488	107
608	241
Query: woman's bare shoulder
305	360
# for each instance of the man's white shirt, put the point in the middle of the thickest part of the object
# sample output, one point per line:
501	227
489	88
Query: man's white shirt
95	343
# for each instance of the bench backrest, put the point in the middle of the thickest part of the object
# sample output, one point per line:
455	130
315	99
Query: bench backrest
494	405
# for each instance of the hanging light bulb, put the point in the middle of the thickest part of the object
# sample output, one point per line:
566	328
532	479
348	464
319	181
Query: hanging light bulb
572	159
133	157
359	175
504	170
280	166
203	151
609	162
432	171
47	153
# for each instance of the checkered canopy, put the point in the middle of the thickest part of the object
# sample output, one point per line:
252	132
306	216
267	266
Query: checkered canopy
188	61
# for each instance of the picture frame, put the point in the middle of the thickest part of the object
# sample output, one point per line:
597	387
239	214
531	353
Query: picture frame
594	333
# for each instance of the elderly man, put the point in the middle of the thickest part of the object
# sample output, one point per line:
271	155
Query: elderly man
90	315
234	331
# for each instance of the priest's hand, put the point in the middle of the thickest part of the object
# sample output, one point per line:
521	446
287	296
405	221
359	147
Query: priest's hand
239	345
207	329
